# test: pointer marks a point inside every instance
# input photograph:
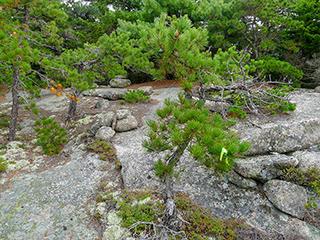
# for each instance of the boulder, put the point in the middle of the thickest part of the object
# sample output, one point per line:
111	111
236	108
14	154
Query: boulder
107	93
264	168
95	127
105	133
102	103
308	159
126	124
285	133
147	90
298	229
107	119
287	197
27	123
240	181
121	114
120	82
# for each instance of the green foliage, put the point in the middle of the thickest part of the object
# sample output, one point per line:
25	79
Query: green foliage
279	69
134	96
231	76
145	207
201	223
50	135
233	66
28	32
309	178
3	165
265	27
4	120
103	148
238	83
176	47
131	213
83	20
307	37
185	124
82	66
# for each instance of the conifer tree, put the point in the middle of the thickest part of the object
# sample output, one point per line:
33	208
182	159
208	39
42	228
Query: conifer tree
186	126
264	27
229	78
80	67
88	21
28	31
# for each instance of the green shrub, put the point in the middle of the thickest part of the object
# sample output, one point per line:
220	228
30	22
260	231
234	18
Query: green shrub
198	224
308	178
134	96
201	223
103	148
4	120
3	165
50	135
145	212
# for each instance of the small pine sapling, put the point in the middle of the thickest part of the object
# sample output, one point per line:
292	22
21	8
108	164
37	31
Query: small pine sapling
50	135
134	96
185	125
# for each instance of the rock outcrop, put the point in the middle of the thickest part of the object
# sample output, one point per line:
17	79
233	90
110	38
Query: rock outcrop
252	191
237	195
264	168
286	133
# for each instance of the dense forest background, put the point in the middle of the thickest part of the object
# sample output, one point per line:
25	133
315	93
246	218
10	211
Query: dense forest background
225	46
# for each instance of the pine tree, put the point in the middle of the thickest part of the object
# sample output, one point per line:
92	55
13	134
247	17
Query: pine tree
228	78
28	30
87	22
80	67
264	27
186	126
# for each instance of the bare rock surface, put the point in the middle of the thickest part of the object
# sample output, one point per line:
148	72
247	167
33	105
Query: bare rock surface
265	167
120	82
51	204
54	104
288	197
105	133
285	133
126	124
222	197
308	159
107	93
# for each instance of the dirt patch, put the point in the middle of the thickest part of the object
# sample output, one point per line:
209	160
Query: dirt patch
157	84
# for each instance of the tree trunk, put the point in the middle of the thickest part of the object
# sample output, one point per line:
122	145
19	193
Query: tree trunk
170	216
76	93
15	104
73	104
